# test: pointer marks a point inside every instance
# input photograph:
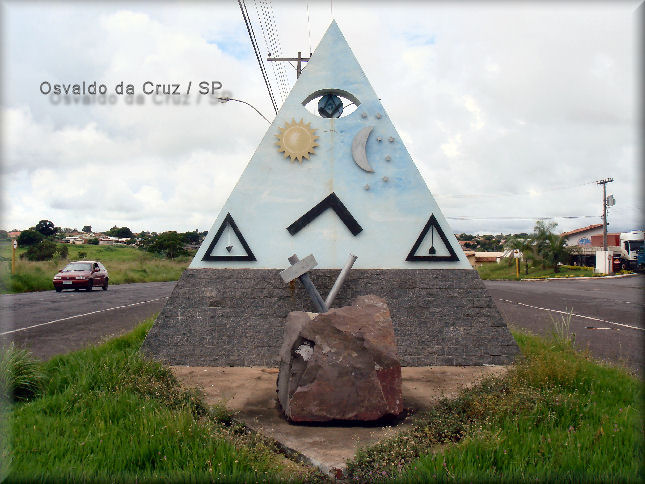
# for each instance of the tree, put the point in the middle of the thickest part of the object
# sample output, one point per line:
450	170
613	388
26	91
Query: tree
43	250
4	235
169	243
465	237
93	241
120	232
87	229
29	237
541	233
62	251
191	237
46	227
556	251
549	245
525	246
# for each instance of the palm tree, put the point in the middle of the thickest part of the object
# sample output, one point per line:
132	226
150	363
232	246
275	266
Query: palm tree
526	246
555	250
541	234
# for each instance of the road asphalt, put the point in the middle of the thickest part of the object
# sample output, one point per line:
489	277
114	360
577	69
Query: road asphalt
49	323
607	314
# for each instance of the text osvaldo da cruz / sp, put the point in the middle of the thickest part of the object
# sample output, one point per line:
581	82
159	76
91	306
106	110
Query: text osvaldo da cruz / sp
147	87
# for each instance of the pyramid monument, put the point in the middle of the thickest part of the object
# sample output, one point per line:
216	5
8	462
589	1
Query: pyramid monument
330	185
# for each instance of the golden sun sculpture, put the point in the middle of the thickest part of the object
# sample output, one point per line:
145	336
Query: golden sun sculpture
296	140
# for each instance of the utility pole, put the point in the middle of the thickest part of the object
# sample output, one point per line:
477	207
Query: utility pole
604	210
299	59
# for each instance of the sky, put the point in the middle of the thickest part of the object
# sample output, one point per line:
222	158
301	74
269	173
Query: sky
510	110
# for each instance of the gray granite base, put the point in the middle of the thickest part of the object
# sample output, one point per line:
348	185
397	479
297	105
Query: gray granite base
235	317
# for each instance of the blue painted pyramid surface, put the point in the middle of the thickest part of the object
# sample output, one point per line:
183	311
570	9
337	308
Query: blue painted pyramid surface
305	158
330	186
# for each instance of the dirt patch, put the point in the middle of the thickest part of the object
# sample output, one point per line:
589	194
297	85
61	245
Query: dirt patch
251	394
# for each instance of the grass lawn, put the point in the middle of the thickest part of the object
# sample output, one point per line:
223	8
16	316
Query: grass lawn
503	270
108	414
557	416
124	264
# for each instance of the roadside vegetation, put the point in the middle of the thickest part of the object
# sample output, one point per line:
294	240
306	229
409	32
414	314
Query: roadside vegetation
543	254
125	264
505	269
112	415
556	416
109	414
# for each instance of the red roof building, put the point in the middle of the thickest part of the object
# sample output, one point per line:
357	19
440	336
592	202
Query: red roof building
582	236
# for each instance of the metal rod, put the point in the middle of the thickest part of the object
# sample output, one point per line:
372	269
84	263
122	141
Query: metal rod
339	280
315	296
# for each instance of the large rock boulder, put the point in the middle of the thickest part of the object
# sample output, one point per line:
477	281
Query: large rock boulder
340	365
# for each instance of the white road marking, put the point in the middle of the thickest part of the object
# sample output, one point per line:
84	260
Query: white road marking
573	315
81	315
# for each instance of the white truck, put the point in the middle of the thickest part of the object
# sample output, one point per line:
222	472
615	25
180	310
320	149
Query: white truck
630	243
624	248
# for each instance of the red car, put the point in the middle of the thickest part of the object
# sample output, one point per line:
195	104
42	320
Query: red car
84	274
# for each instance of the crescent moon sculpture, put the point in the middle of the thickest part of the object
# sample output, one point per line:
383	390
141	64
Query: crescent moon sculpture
358	149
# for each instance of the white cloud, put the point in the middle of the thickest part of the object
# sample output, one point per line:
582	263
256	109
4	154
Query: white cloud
497	104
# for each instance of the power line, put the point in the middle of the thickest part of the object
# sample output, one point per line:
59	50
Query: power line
513	194
262	20
273	44
249	28
523	218
308	30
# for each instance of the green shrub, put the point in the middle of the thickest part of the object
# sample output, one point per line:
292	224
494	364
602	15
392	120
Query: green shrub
28	238
62	251
21	376
93	241
43	250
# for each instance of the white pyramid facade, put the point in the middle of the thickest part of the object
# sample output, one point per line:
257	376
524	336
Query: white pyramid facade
391	205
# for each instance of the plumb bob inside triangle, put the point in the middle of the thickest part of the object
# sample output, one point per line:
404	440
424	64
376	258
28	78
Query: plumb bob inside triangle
229	244
432	244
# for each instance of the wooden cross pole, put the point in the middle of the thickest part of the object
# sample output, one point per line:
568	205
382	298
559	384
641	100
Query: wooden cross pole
299	59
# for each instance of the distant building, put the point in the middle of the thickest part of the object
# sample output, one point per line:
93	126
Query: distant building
486	258
582	237
108	240
73	239
470	255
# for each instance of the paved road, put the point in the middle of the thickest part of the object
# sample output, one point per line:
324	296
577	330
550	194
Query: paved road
49	323
607	313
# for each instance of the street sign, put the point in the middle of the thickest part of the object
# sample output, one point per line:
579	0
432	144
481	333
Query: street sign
15	244
516	253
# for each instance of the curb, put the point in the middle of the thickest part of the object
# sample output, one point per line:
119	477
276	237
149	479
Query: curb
618	276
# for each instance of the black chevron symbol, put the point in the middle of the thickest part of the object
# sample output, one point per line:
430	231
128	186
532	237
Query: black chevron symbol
333	202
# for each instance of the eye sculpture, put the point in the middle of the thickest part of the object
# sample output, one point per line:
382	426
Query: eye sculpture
330	106
331	103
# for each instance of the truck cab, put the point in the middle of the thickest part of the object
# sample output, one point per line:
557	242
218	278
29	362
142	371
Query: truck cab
640	259
630	244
